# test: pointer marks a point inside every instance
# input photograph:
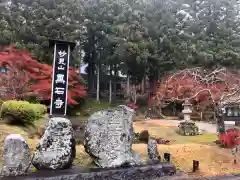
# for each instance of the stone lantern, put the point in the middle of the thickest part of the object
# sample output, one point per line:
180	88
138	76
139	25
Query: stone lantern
187	110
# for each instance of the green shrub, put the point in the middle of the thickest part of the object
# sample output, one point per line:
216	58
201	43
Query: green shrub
39	109
21	112
1	102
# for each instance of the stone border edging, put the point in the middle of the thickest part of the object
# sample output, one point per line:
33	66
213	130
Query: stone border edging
153	172
147	172
224	177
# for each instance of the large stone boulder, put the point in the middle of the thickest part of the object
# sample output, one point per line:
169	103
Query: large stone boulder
16	155
56	149
153	153
109	136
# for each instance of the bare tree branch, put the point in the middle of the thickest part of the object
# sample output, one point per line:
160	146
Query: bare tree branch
202	81
15	84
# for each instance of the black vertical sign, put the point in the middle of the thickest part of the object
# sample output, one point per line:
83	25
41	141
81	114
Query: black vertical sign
60	78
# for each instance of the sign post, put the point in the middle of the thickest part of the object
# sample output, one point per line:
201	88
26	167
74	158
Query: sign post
62	50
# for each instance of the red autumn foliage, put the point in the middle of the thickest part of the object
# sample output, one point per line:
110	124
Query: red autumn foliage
230	138
37	76
195	86
133	106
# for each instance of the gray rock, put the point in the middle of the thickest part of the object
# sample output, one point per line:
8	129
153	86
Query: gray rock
16	155
108	137
137	158
153	153
56	149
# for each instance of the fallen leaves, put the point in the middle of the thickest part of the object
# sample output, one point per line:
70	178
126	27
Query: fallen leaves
213	160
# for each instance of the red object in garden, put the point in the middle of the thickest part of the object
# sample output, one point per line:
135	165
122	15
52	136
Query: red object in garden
162	141
186	83
230	138
133	106
32	78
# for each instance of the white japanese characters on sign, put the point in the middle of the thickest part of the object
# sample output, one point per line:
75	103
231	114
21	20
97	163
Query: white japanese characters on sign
62	53
61	61
58	103
60	78
59	90
61	67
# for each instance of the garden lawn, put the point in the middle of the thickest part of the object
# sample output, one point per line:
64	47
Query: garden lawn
168	131
184	149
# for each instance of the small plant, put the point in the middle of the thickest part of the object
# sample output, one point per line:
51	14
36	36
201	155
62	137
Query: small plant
136	137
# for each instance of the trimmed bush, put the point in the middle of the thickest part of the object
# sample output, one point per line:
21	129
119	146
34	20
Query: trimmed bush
21	112
39	109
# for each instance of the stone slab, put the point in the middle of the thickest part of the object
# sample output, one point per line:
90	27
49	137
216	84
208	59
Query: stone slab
223	177
153	172
149	172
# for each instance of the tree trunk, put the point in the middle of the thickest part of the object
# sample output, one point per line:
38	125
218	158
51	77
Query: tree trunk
97	98
155	79
110	86
93	77
218	116
142	86
144	77
135	96
144	83
98	77
91	65
174	109
110	92
89	76
128	86
114	82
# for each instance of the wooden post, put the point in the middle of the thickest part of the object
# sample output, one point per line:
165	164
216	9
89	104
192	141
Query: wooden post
167	157
195	165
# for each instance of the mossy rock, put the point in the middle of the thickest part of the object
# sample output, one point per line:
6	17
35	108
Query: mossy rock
188	128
